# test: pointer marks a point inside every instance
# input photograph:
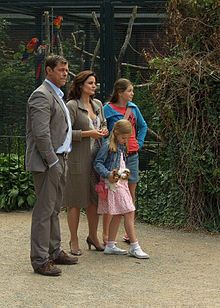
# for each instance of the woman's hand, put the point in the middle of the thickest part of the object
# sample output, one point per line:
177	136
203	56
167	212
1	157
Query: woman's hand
96	133
105	131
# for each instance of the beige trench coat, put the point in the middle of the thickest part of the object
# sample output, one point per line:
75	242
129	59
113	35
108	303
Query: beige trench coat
81	177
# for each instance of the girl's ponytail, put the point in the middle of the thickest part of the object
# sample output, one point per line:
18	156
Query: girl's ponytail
113	141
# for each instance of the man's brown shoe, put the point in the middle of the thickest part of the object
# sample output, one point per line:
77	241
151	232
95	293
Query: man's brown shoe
48	269
65	259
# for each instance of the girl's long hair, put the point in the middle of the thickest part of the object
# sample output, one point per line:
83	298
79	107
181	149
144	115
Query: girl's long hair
120	127
120	86
75	90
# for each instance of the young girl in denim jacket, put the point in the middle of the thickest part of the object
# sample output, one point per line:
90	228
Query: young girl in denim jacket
117	201
121	106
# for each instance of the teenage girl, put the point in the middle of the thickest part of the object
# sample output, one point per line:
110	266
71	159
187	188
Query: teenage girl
119	107
118	201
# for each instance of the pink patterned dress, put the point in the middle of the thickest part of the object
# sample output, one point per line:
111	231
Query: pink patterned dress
119	200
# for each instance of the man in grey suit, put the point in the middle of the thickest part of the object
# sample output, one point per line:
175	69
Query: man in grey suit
49	139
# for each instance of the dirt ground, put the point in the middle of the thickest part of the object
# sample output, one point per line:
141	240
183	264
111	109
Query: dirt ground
183	271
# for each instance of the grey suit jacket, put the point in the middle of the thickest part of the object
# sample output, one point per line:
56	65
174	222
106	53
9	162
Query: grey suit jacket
46	128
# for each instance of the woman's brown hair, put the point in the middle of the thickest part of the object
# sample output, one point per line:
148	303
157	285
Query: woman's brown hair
75	90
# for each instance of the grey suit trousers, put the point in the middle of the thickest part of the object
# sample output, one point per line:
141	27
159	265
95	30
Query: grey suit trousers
45	227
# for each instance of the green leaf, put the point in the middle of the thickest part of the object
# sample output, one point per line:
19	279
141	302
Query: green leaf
20	201
31	200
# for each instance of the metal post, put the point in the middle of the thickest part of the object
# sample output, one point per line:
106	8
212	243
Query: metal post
107	60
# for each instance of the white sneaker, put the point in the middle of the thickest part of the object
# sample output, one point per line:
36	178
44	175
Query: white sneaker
138	253
114	251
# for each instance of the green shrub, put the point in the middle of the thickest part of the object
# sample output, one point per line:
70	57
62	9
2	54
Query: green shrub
16	187
159	198
185	87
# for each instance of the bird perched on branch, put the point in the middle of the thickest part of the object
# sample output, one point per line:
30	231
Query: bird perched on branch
30	48
57	24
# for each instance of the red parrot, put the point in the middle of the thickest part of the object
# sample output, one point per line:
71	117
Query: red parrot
30	48
57	22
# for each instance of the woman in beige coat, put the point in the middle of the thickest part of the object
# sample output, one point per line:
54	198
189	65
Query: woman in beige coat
89	126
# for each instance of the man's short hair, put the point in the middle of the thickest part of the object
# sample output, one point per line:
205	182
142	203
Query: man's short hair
53	60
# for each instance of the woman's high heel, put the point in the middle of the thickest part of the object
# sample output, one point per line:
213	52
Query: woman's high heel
77	252
91	243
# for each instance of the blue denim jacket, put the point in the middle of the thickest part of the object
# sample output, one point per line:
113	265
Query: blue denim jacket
106	160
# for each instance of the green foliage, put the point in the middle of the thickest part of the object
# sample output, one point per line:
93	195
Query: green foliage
194	24
145	101
160	199
157	203
182	187
17	81
186	93
16	187
18	77
3	32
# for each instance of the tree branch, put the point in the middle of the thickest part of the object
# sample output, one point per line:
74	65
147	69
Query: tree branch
96	22
80	50
47	30
127	39
95	55
96	51
135	66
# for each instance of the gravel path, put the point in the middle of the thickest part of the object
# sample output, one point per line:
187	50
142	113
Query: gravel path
184	270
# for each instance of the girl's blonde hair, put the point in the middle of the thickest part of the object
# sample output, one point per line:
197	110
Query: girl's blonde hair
120	127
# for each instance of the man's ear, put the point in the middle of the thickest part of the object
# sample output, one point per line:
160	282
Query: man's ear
48	70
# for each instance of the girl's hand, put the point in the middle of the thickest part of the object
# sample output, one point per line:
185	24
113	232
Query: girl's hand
96	133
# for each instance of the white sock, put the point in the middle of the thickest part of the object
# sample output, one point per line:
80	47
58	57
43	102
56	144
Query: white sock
110	244
134	245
